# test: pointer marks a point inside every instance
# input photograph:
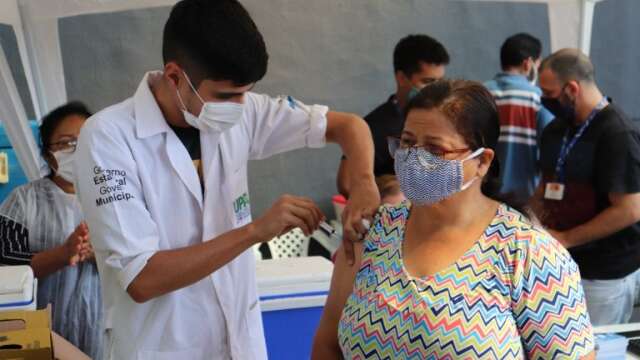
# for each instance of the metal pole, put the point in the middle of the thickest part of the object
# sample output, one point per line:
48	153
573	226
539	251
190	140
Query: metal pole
15	122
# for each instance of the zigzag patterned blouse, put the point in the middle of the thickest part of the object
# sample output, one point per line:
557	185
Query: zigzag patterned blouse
515	294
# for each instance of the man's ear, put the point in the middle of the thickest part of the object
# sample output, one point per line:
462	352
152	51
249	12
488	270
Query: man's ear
402	80
527	65
173	72
573	88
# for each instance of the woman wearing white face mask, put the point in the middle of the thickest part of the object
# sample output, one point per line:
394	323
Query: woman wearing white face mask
41	225
454	272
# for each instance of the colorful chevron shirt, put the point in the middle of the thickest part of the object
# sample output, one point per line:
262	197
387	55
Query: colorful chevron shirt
515	293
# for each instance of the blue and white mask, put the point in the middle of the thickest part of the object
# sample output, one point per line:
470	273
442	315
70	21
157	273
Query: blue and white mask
426	179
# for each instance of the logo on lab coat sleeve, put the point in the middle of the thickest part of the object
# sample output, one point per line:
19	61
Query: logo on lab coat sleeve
242	209
111	184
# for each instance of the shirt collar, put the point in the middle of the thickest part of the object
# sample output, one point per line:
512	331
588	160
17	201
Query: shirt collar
149	118
512	77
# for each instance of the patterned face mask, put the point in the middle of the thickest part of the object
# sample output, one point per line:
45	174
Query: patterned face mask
426	179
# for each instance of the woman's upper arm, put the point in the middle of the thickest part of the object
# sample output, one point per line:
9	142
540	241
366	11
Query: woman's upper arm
15	248
325	344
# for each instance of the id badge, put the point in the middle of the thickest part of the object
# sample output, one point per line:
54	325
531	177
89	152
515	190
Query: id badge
554	191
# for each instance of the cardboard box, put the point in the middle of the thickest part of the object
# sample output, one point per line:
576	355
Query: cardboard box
27	335
64	350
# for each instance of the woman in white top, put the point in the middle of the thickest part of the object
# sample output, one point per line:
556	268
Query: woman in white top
41	225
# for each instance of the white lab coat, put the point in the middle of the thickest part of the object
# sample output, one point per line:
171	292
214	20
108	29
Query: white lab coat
141	193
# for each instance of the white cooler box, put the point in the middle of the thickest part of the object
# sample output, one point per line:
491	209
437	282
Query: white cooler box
18	288
292	294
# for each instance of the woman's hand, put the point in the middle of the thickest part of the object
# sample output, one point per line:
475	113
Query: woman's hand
78	248
73	251
364	201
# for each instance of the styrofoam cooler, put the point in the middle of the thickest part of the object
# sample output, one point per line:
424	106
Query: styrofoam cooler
292	294
18	288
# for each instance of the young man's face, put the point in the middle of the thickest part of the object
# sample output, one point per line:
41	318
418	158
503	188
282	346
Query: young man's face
426	74
194	96
222	91
550	85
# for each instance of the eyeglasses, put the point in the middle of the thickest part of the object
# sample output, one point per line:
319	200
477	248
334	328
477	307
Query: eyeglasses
396	143
65	146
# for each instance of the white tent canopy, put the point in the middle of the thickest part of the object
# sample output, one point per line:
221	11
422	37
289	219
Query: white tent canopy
570	22
35	24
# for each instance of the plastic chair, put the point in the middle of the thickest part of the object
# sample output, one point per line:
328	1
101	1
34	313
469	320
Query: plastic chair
292	244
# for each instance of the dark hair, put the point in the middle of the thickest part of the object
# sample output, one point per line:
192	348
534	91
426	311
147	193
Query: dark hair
52	120
518	48
473	111
414	49
215	40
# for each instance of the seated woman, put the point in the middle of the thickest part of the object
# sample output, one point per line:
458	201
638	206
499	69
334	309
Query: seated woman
453	273
41	225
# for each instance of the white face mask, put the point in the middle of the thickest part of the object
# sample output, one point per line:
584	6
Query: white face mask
214	116
65	165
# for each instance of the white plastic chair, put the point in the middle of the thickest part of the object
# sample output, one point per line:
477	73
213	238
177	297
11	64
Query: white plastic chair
292	244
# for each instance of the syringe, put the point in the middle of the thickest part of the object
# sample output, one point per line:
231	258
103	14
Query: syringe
330	231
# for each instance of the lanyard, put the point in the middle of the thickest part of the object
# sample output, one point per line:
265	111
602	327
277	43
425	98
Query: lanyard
568	145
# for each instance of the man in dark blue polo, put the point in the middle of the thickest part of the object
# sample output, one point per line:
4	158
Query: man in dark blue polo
417	61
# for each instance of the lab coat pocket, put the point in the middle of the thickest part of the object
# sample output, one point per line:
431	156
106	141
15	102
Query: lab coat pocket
193	353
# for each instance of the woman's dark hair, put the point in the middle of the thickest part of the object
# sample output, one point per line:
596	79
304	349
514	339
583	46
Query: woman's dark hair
52	120
472	109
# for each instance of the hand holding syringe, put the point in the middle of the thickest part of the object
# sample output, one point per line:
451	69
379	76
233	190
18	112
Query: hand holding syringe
331	232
